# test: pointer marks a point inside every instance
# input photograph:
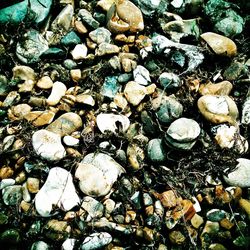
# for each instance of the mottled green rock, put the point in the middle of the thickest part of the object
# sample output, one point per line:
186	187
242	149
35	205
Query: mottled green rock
36	13
235	71
69	64
12	195
40	245
156	151
53	53
242	241
3	218
4	87
110	86
10	236
216	215
149	126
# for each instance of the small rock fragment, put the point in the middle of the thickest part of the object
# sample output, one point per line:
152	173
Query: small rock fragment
57	92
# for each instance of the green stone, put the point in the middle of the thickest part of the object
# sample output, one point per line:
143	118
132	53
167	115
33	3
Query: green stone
235	71
70	39
3	218
156	151
69	64
4	87
54	53
149	126
110	86
242	241
216	215
10	236
12	195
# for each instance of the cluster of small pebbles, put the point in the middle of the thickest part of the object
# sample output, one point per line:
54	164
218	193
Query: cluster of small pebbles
123	125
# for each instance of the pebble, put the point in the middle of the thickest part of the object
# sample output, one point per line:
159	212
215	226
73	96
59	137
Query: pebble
229	137
70	39
182	133
156	151
136	156
245	118
11	99
177	238
141	75
216	215
40	245
129	17
110	86
10	237
218	109
40	118
66	124
112	123
64	19
93	207
68	244
85	99
88	19
32	47
19	111
167	108
96	241
135	93
197	221
71	141
221	88
57	92
106	49
241	175
44	83
58	190
48	145
26	74
220	45
100	35
80	27
169	80
12	195
79	52
33	185
245	205
97	173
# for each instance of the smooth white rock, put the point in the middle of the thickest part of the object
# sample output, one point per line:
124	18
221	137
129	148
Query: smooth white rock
48	145
97	172
6	182
108	122
70	140
68	244
141	75
79	52
96	241
241	175
58	190
217	105
58	91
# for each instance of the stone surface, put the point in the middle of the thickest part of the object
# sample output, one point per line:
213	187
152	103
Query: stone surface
58	190
221	45
97	173
48	145
141	75
57	92
66	124
221	88
32	47
241	175
156	151
218	109
112	123
182	133
100	35
44	83
12	195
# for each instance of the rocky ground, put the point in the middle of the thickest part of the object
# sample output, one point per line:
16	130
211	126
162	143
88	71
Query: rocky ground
124	124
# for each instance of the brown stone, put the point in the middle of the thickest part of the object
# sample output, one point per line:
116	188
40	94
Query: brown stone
222	195
40	118
220	45
226	223
245	205
80	27
169	199
221	88
6	172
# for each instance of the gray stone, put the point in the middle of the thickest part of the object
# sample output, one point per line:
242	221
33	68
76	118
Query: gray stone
32	47
69	64
169	80
88	19
100	35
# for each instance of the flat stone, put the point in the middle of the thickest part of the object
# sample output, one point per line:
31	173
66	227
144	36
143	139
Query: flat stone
241	175
58	190
66	124
48	145
40	118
